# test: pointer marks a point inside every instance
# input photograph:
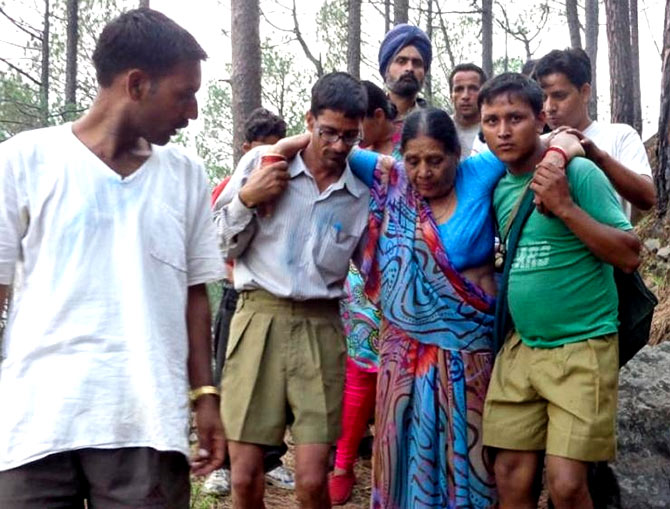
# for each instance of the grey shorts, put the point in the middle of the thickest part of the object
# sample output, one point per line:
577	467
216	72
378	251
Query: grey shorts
125	478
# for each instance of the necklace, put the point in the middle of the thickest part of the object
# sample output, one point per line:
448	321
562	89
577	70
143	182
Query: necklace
449	207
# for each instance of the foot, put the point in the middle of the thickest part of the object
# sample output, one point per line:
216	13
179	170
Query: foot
280	477
218	483
340	487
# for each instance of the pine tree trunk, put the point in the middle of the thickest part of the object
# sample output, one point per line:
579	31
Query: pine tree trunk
487	37
246	67
635	68
572	15
428	83
591	37
71	58
44	78
400	11
354	38
621	78
662	176
387	15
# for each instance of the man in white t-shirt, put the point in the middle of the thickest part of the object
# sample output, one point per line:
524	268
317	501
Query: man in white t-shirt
110	326
465	81
565	78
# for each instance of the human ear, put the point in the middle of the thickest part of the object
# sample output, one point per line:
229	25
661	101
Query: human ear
138	84
540	122
585	92
309	118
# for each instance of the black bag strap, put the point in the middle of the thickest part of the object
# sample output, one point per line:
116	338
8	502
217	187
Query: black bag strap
503	320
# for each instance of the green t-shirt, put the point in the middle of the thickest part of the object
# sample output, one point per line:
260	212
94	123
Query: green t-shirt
559	292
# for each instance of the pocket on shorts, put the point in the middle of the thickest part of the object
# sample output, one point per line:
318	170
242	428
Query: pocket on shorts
238	326
335	353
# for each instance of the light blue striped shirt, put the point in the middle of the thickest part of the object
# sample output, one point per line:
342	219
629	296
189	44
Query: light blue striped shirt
302	250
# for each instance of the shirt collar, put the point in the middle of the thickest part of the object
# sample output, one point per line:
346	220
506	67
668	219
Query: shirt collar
346	181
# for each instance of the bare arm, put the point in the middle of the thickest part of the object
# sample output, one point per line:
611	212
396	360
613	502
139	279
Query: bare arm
616	247
4	291
211	439
290	146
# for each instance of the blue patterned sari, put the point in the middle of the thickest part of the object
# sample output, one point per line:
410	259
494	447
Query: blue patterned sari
436	356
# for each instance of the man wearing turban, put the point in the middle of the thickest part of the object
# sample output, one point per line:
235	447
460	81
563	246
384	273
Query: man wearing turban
404	59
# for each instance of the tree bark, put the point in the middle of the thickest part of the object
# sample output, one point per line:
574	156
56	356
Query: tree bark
354	38
662	176
572	15
144	3
44	78
400	11
428	83
71	58
487	37
635	67
246	66
621	79
387	15
591	39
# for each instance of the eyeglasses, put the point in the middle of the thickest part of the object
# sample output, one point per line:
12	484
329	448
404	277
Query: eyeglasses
331	136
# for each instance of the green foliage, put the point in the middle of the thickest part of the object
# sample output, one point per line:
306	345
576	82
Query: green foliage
507	64
332	31
214	142
19	105
285	88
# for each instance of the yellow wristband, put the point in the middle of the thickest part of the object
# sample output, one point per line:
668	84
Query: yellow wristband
196	393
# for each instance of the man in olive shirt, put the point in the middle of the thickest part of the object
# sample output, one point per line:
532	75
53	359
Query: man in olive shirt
554	384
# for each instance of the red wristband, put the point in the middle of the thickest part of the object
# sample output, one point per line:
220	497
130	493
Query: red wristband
558	149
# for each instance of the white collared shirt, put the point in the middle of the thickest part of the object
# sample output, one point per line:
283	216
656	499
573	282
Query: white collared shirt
302	250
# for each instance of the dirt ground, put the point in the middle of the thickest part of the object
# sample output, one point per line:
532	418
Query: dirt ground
283	499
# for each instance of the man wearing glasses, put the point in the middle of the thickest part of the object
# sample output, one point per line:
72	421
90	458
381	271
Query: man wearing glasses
291	229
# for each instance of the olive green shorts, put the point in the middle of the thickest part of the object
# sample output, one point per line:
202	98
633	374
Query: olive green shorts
285	360
562	400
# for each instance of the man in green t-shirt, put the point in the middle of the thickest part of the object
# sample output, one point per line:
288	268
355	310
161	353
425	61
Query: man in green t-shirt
554	384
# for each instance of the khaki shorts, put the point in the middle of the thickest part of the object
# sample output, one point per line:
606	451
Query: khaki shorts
562	400
284	359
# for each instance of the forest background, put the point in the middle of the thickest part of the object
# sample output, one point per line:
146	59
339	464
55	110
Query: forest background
276	49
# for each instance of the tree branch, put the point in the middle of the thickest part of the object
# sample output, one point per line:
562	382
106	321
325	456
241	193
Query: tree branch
21	72
303	44
20	25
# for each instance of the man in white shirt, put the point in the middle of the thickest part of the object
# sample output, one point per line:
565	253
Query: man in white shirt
292	230
465	81
565	78
111	323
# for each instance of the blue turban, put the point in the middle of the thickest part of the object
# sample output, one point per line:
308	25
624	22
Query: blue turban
397	38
